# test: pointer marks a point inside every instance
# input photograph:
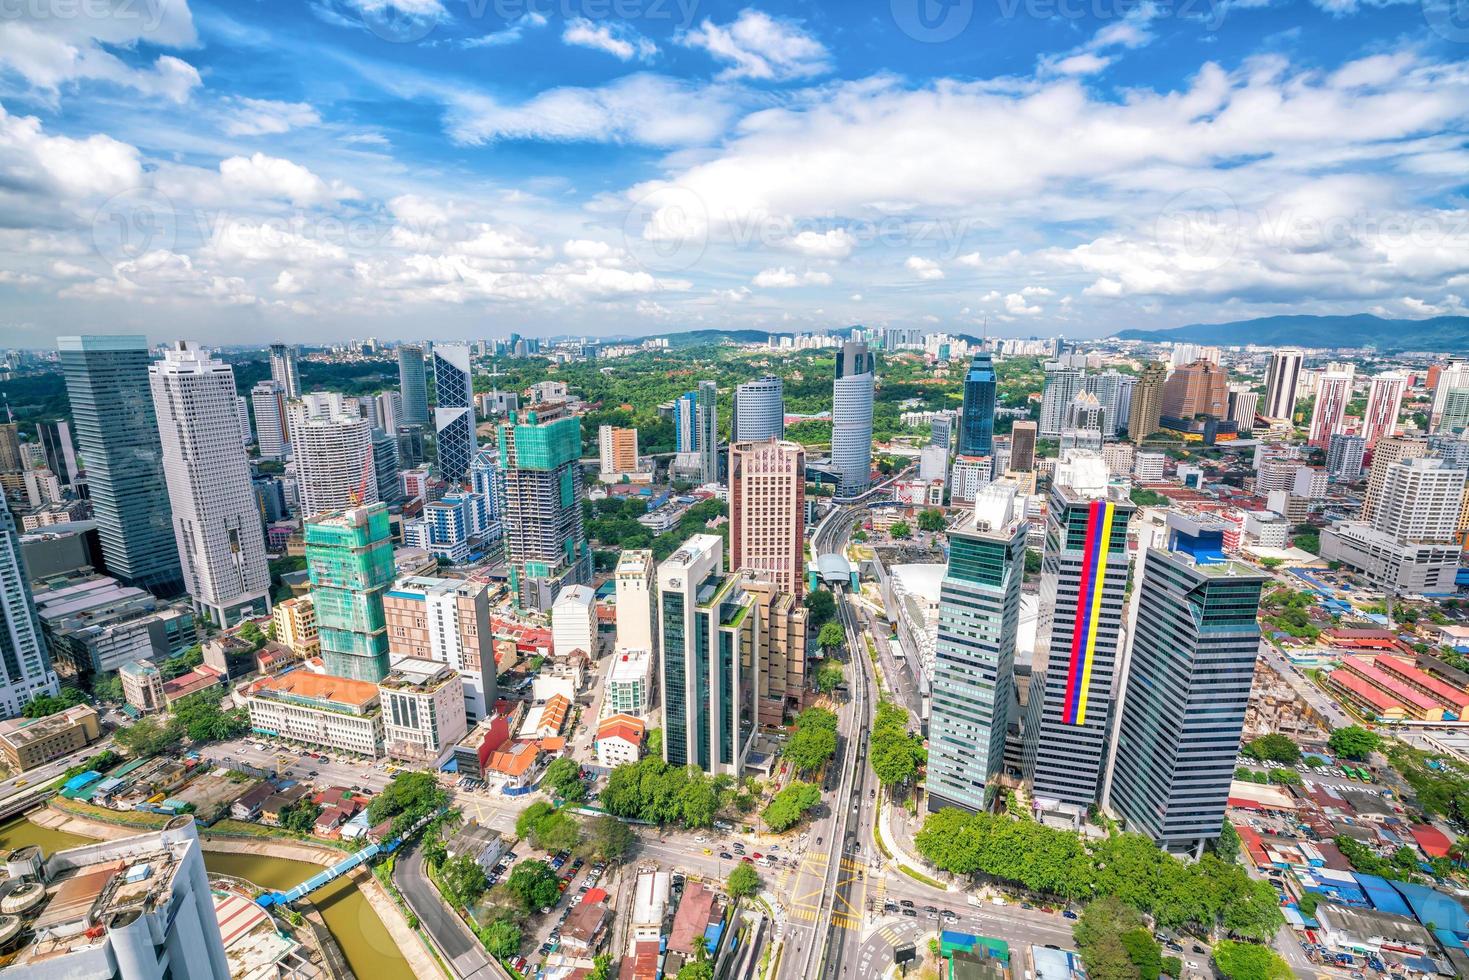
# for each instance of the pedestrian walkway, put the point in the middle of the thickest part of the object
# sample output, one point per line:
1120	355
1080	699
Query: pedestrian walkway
902	852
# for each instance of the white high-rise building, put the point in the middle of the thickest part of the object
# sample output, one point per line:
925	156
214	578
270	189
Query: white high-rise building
25	670
758	411
387	409
1281	379
574	621
1453	377
1384	402
851	418
635	593
242	410
1421	500
272	435
1333	391
216	523
1410	546
332	447
1063	384
284	370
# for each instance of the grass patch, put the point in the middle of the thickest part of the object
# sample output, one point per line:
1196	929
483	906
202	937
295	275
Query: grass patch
920	876
131	818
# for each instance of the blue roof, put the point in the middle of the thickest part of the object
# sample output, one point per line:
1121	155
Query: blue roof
81	779
1382	895
1428	905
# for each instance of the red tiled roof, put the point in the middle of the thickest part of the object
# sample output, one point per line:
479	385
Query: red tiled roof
1439	690
1430	840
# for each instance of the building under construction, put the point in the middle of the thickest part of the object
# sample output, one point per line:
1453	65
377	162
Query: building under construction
349	556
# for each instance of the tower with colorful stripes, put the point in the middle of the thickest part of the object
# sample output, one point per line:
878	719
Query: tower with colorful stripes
1083	585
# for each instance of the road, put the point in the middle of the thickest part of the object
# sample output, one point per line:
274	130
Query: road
460	947
34	780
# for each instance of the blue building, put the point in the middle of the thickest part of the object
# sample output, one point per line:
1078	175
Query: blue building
977	419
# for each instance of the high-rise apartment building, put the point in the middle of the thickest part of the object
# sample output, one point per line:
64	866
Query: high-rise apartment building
1200	388
636	595
1344	457
708	627
1384	402
767	512
387	410
385	467
1333	391
284	369
780	681
1190	668
851	418
977	416
545	540
974	653
1063	384
1420	501
332	447
117	433
1453	377
1389	450
413	384
1083	584
215	520
1281	379
1244	405
758	411
617	449
1022	447
453	411
25	665
272	430
349	557
448	621
1146	411
1411	544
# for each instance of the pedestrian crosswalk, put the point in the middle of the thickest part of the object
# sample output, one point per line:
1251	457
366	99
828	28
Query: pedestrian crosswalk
842	920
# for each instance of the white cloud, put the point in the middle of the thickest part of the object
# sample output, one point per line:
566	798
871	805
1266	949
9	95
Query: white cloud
1016	305
758	46
618	40
75	168
837	243
264	176
509	35
260	117
783	278
972	260
925	269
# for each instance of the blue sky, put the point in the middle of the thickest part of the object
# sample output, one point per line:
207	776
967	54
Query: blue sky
436	168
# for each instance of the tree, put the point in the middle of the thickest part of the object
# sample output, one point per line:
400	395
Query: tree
533	884
556	833
463	881
531	817
1247	961
144	738
107	687
406	800
697	970
564	777
1032	561
931	519
893	752
899	530
300	816
790	805
49	704
1354	742
608	839
743	881
822	606
829	676
831	637
501	938
654	744
251	634
1285	777
1144	952
1227	844
1106	935
1274	748
814	742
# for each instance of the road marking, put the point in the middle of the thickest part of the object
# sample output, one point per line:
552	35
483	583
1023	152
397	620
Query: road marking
845	921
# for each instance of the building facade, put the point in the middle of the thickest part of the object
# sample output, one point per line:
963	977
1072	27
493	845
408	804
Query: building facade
617	449
337	713
851	418
977	416
332	446
1281	380
759	411
295	625
453	411
284	369
1022	446
767	512
447	621
1145	413
423	710
1333	392
1384	403
25	663
413	384
545	540
272	430
636	597
349	556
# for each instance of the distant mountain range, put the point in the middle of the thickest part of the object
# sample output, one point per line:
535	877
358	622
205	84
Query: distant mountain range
1439	333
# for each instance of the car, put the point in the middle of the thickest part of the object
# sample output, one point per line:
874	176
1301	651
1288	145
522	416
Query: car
545	949
545	910
1026	905
747	859
520	964
911	913
1068	914
889	907
726	855
1199	949
949	914
758	856
1174	947
907	903
931	910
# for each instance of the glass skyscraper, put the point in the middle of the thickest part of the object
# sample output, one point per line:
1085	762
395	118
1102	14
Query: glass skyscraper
453	411
545	539
759	411
413	383
117	435
977	420
851	418
25	667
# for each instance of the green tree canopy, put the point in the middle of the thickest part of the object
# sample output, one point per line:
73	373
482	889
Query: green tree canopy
899	530
829	676
822	607
1354	742
533	884
931	519
1274	748
563	775
463	880
1247	961
831	636
744	880
300	816
814	741
608	839
790	805
501	938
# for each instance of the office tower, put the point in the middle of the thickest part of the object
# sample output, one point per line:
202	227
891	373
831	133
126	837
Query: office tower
1410	545
453	411
977	416
1384	402
25	665
974	653
1063	384
215	521
1126	387
1190	668
635	597
410	446
272	432
1083	583
758	411
135	908
767	512
1084	423
1200	388
487	481
851	418
1244	405
1333	391
1146	411
685	423
708	627
385	467
1281	379
1022	447
60	452
117	433
1344	457
284	370
413	384
617	449
447	620
1112	390
1389	450
708	421
1454	376
332	447
10	461
780	680
349	557
545	540
387	408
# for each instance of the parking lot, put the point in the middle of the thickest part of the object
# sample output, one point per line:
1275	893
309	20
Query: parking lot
295	761
576	879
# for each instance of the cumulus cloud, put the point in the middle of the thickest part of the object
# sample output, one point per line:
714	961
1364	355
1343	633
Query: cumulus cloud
783	278
618	40
836	243
926	269
758	46
264	176
74	168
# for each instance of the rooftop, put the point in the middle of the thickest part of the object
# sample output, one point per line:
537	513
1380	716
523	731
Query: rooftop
422	676
21	731
305	685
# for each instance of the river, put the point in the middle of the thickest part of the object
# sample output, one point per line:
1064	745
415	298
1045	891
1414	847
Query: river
364	940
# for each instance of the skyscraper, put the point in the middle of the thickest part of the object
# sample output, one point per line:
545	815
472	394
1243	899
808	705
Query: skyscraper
1281	379
349	557
385	467
545	540
453	410
1083	584
1146	411
1453	377
636	593
1389	450
851	418
272	431
1384	402
1344	457
284	370
1333	391
1411	544
1243	407
215	521
759	411
1022	447
977	417
974	654
60	452
617	449
1200	388
413	383
10	460
767	511
332	447
1189	673
117	433
25	666
1063	384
